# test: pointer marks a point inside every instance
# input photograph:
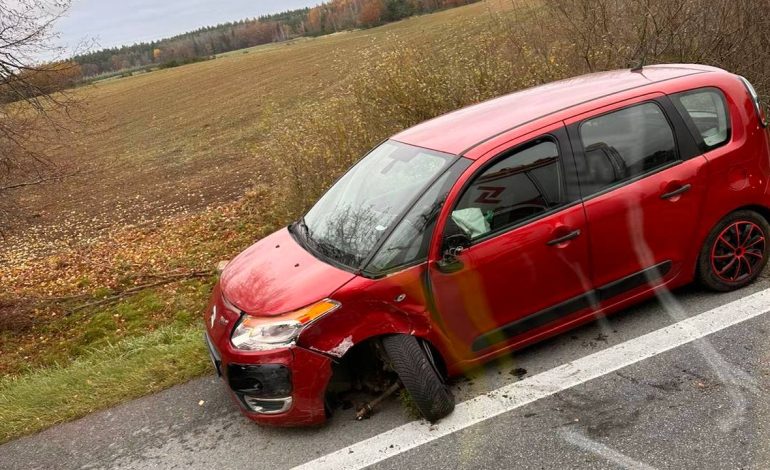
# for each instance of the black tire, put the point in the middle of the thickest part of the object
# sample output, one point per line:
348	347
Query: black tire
714	270
419	376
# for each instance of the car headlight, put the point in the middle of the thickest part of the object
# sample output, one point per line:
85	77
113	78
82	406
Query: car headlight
261	333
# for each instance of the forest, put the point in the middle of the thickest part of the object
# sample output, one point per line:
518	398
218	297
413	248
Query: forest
327	18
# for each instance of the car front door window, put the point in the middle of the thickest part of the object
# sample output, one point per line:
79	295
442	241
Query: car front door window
516	188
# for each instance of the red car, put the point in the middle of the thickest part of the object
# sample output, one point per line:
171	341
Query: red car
490	228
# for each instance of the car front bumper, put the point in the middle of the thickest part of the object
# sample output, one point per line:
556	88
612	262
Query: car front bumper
282	387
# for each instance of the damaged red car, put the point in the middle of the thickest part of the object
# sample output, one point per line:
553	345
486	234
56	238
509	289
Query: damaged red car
493	227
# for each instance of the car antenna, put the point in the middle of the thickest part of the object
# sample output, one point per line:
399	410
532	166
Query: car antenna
639	68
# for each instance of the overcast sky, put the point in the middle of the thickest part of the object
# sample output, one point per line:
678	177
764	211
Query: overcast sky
124	22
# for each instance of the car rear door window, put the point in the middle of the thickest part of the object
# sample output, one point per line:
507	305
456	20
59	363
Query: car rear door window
623	145
706	113
516	188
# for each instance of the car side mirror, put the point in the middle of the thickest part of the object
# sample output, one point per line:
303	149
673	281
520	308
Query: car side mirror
451	248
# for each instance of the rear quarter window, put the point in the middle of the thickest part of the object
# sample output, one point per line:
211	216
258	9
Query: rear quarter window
705	112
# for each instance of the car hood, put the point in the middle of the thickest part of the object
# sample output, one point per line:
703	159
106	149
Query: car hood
276	275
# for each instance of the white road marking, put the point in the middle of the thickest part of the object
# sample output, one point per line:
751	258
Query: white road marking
607	453
518	394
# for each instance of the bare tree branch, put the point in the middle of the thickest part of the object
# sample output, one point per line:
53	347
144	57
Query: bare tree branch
34	103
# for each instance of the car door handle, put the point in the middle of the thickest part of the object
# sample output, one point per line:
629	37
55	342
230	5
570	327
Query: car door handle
564	238
680	190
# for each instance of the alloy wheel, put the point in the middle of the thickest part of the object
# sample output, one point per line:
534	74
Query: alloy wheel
738	251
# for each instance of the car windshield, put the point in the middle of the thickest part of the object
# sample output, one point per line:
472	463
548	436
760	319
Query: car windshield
348	221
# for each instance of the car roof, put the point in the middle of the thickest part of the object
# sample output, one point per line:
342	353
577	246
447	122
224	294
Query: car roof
460	131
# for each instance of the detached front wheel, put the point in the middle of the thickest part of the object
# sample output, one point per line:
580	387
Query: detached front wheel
414	364
735	251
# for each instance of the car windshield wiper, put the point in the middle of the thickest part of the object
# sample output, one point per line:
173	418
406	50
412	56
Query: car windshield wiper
304	228
301	232
341	256
322	248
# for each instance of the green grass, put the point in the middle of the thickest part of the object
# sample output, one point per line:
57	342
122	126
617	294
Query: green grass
98	357
104	377
410	407
59	339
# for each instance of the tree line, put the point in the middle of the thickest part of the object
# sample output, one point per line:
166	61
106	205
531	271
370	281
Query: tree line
327	18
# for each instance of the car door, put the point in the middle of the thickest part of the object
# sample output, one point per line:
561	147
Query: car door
527	257
642	180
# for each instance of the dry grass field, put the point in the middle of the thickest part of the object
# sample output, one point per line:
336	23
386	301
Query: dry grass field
182	139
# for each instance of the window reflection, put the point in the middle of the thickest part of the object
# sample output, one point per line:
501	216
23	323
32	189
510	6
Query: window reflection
350	219
516	188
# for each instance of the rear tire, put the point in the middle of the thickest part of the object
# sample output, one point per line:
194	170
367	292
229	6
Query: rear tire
735	252
419	375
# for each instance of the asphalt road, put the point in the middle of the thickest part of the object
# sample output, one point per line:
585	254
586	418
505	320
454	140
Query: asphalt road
702	405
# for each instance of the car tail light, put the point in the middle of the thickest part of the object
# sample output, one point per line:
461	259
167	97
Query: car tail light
758	106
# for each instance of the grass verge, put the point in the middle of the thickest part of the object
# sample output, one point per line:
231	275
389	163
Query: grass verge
104	377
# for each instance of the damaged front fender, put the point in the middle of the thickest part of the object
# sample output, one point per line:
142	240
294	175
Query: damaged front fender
372	308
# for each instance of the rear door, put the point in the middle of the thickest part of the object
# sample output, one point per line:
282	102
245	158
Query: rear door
642	180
